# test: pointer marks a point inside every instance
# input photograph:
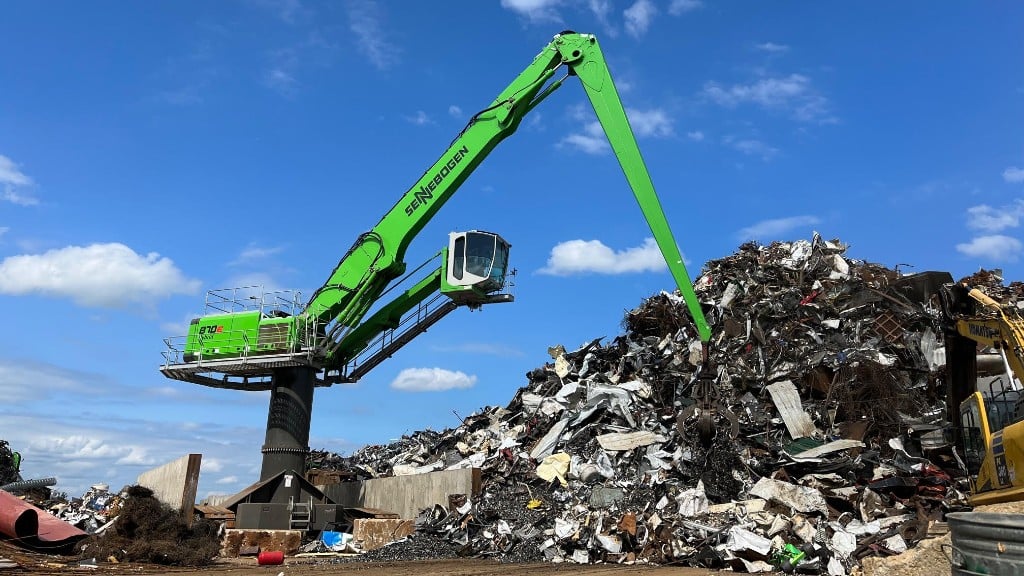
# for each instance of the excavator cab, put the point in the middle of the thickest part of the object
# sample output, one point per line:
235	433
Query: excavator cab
973	431
476	265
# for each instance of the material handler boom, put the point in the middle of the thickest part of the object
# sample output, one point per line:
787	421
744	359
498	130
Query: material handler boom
289	351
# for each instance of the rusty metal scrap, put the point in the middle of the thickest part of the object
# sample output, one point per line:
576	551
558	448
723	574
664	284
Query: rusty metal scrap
35	528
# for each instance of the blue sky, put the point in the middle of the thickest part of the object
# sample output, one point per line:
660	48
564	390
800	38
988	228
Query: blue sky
151	151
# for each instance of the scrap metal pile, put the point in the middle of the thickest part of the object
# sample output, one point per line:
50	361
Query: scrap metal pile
832	369
93	511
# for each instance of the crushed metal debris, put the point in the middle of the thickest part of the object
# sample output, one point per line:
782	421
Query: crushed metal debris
830	370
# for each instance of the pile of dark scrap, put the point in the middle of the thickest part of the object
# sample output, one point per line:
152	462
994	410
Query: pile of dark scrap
828	448
130	525
991	282
146	530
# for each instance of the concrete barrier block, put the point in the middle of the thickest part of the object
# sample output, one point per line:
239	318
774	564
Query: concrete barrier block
372	533
287	541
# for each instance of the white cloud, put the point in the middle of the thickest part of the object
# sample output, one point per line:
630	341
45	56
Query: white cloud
538	11
4	230
639	17
535	122
285	64
211	464
602	9
752	147
103	446
21	198
755	148
988	219
82	447
431	380
678	7
165	392
364	18
178	328
772	47
593	256
99	275
83	427
654	122
11	174
280	80
1012	174
793	93
591	141
226	479
771	230
289	11
696	135
420	118
454	111
14	182
255	253
280	74
254	284
45	381
769	92
996	247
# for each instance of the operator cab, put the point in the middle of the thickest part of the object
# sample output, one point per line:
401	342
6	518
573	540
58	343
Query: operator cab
477	264
972	435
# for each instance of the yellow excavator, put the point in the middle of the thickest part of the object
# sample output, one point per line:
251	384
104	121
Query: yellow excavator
988	419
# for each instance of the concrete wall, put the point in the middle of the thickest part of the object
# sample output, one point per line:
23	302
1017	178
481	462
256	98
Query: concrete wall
405	495
175	483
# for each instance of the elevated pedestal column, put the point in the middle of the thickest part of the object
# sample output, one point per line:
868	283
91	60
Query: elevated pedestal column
287	440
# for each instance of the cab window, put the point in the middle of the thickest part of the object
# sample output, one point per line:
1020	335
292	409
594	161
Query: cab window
973	442
459	257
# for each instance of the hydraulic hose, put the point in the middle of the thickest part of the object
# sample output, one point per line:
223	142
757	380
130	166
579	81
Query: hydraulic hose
28	484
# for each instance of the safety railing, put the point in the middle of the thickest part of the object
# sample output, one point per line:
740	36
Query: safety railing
1004	405
238	347
234	343
410	325
249	298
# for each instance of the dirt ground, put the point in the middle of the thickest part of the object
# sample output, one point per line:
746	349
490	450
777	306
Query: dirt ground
462	568
422	568
42	564
931	556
